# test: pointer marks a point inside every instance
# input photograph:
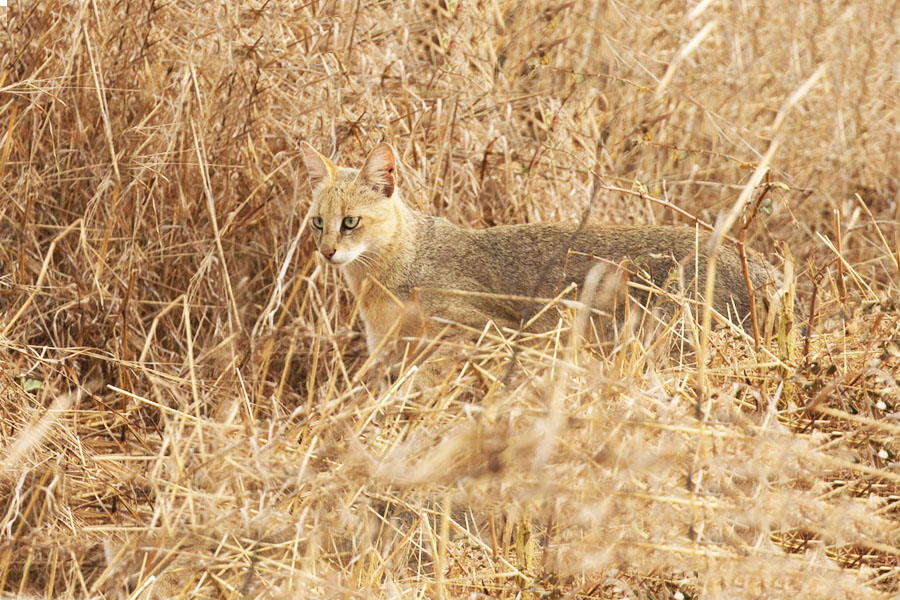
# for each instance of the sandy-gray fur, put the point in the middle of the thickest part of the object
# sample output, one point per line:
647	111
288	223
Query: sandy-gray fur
542	259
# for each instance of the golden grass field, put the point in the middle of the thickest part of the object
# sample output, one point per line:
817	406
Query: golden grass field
187	410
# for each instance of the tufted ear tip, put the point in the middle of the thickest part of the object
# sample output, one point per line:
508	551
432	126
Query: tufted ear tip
378	170
317	165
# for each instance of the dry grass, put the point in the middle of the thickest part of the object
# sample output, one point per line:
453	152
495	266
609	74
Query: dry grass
181	411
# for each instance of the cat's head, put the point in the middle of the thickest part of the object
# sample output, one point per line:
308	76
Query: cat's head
354	211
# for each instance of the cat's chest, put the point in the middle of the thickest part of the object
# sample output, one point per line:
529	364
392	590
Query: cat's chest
385	313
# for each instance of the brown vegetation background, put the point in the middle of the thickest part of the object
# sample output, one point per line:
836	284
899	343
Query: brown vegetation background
182	413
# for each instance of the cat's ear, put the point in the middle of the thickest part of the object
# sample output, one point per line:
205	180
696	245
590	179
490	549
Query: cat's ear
378	170
320	168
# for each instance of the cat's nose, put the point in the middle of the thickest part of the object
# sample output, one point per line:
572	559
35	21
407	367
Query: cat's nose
328	252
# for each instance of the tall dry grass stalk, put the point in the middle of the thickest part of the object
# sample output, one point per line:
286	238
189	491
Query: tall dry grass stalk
183	409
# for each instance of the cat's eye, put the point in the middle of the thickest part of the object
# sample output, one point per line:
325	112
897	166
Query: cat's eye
350	222
317	223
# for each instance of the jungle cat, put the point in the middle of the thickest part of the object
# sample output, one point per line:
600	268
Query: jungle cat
395	258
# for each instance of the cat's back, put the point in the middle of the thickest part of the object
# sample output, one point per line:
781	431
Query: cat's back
542	259
515	258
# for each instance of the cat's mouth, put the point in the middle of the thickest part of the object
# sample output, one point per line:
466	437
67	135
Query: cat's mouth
342	258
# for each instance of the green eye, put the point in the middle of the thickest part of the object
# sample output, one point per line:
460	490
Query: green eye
317	223
350	222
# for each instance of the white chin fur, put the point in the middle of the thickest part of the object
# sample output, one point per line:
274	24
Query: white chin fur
343	258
